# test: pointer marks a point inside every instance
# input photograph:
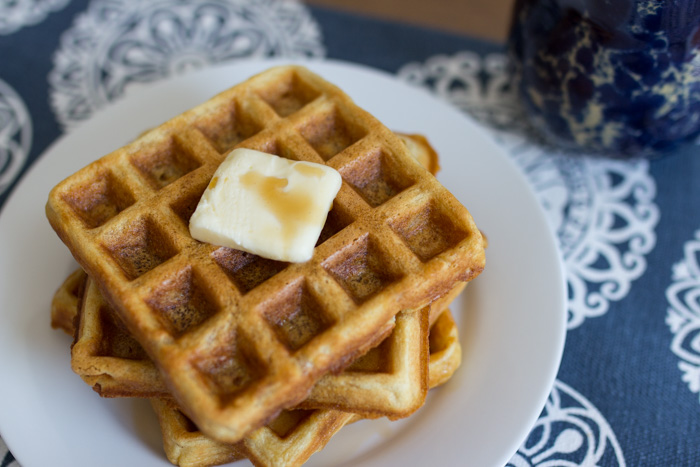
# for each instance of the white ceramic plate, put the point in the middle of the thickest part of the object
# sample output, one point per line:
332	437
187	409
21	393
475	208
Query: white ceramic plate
512	318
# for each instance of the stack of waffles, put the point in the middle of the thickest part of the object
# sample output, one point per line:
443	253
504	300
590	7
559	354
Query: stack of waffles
247	357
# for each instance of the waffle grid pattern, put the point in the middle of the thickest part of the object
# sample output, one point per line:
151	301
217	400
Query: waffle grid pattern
296	434
390	379
223	348
289	439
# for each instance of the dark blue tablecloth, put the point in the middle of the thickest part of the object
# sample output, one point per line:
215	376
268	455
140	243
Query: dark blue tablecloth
629	232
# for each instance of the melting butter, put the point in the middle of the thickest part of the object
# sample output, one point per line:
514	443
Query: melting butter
267	205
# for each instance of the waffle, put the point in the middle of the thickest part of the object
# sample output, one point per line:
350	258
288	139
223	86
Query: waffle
237	338
64	306
289	440
388	380
296	434
445	350
65	302
106	356
110	360
421	150
391	379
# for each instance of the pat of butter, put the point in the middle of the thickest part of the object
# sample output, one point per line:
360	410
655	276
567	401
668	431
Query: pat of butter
266	205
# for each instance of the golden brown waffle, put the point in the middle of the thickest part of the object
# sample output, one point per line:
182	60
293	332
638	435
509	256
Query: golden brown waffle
388	380
64	306
296	434
185	445
238	338
289	440
65	302
445	350
107	357
391	379
422	150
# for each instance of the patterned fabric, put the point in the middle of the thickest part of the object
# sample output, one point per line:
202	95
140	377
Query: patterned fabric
628	390
15	15
683	315
15	135
117	43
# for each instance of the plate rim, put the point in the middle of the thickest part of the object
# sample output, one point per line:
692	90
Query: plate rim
40	162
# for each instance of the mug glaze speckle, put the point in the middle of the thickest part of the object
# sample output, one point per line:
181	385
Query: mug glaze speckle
621	77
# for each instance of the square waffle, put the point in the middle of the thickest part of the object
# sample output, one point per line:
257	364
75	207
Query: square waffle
66	301
288	440
443	337
110	360
295	435
391	379
236	338
106	356
388	380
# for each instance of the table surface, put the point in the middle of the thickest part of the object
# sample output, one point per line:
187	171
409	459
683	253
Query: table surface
487	19
628	231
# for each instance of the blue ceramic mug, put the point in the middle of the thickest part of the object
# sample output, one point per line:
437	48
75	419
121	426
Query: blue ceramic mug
615	76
